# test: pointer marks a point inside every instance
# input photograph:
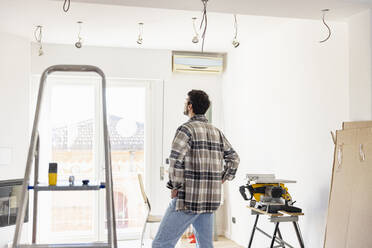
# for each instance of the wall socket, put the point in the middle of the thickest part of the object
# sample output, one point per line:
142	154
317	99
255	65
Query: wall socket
233	219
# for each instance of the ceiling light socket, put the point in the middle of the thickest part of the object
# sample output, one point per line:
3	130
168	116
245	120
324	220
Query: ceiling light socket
140	32
79	44
41	52
38	37
235	43
195	39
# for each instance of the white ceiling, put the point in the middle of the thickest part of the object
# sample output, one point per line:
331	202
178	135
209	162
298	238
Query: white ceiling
308	9
168	23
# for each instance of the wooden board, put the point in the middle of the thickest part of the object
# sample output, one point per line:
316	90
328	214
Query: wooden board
263	212
291	214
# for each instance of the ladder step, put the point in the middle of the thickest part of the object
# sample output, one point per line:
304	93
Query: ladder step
77	245
66	188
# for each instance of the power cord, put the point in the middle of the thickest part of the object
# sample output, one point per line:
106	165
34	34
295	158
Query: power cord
66	5
205	22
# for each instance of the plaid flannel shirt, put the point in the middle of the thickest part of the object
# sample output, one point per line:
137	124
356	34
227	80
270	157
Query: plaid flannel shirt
197	165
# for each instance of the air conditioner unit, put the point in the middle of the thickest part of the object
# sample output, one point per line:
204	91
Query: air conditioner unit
197	62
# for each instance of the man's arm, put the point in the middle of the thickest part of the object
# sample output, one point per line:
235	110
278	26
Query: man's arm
231	160
180	146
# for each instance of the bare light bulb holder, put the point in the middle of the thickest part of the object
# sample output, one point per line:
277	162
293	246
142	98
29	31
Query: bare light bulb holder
235	41
79	43
195	39
140	33
38	33
41	52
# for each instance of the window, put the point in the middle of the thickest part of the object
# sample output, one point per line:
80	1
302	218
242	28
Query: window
71	135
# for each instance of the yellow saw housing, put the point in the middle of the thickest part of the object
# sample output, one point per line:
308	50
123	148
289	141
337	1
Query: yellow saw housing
257	196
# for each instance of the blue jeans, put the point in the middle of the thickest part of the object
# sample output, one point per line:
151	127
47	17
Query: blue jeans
174	224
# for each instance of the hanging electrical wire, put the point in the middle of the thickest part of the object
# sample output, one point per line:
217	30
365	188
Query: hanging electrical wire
195	39
235	41
140	33
38	34
329	29
204	22
66	5
79	43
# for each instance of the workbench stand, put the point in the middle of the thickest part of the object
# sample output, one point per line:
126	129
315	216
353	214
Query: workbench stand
281	216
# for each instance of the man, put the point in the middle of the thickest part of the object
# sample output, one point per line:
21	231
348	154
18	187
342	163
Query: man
196	173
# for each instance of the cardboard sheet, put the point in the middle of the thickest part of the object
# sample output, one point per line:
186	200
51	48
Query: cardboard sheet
349	222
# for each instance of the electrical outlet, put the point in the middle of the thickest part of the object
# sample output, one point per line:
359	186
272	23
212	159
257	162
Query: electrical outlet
233	219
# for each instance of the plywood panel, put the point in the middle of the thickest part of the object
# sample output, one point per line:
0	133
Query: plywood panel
360	219
356	124
341	190
349	222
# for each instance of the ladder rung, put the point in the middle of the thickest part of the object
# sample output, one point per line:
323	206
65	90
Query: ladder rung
77	245
66	188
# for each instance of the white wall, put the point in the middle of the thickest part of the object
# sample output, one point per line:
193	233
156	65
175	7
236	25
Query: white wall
14	85
282	95
360	65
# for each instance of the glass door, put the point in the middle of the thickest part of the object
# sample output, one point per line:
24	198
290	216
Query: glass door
71	135
69	138
127	119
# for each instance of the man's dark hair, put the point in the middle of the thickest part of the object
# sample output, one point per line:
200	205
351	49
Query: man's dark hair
199	100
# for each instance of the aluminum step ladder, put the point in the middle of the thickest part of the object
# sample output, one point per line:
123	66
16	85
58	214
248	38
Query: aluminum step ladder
33	158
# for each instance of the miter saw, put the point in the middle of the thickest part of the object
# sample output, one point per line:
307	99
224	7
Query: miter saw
268	193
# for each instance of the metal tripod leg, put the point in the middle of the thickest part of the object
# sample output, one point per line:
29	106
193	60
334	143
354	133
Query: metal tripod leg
298	232
274	236
253	231
281	238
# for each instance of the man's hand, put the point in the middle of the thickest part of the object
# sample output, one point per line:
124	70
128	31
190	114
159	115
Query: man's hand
174	193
